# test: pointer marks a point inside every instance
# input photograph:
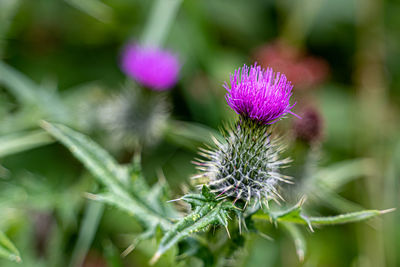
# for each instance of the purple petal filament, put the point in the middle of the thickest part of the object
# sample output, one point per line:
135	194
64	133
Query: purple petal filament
152	67
259	94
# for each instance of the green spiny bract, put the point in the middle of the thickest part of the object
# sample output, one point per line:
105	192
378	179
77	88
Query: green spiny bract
246	166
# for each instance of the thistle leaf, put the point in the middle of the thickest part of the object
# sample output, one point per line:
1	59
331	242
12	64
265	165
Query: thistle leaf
114	176
206	212
295	215
8	250
95	159
18	142
134	207
348	217
30	94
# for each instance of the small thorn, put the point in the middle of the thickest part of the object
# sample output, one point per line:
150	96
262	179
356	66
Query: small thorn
302	200
155	258
128	250
227	231
300	254
309	225
276	201
18	259
387	211
267	204
216	141
245	205
197	176
173	200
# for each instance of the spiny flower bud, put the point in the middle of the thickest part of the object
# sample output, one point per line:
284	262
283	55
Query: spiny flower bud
246	166
154	68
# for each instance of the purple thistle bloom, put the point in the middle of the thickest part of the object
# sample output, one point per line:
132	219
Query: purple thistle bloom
259	94
152	67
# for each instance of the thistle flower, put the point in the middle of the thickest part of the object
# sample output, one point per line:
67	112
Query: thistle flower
154	68
259	94
246	166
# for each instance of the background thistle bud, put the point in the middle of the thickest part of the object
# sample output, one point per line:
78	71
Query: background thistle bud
246	166
133	117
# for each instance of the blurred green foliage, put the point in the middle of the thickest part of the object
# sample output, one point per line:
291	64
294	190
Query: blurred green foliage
59	61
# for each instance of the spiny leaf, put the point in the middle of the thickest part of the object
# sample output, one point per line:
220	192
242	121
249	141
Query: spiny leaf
202	217
295	215
8	250
134	207
96	159
199	199
157	198
107	171
348	217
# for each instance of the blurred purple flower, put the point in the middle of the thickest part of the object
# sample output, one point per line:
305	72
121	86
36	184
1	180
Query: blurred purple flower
154	68
259	94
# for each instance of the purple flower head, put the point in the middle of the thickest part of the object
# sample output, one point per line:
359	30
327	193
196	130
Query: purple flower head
259	94
152	67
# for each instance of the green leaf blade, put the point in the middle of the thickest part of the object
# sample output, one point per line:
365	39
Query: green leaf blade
95	159
347	218
295	215
108	172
